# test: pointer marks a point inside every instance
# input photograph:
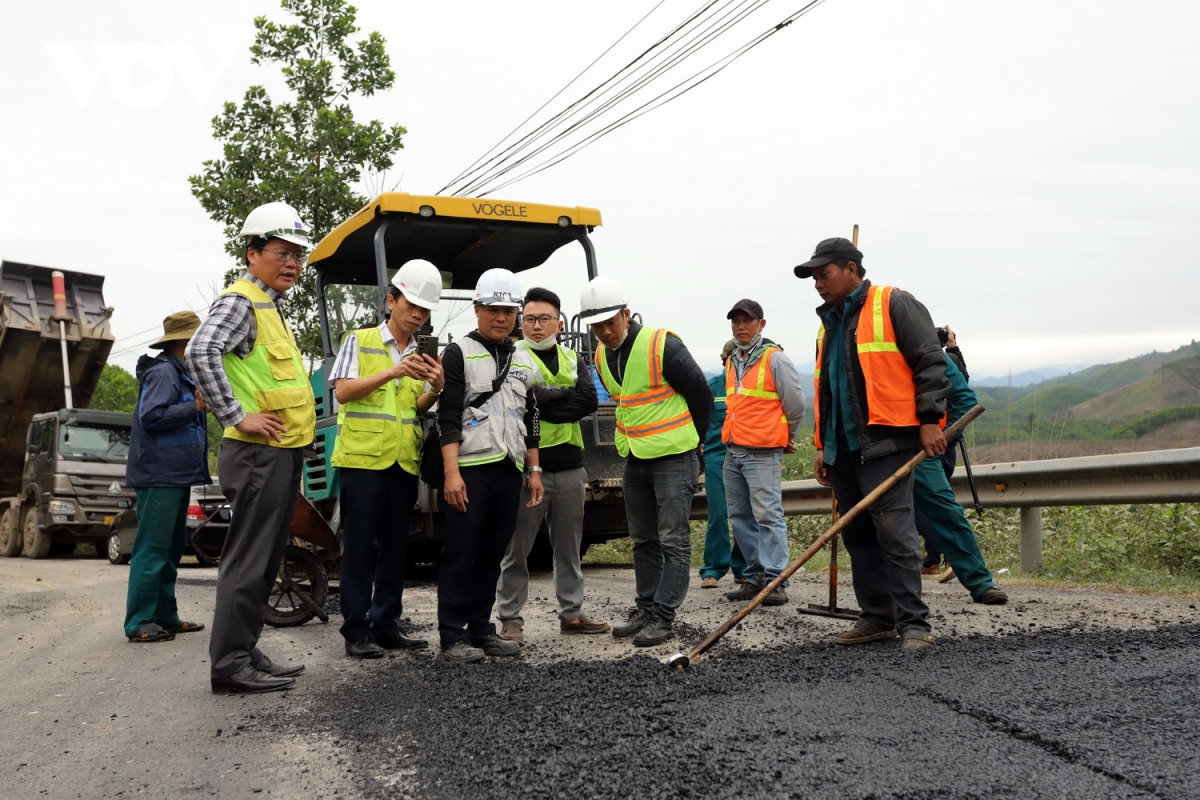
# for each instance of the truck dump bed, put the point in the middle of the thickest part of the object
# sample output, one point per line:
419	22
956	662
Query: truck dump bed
31	379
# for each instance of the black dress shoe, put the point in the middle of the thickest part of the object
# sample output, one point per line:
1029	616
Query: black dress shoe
364	648
278	670
394	639
250	681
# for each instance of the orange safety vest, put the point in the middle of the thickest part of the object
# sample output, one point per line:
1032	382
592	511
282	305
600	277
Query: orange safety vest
754	414
891	392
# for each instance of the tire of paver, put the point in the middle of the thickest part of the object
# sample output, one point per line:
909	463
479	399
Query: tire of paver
10	533
113	551
284	608
37	539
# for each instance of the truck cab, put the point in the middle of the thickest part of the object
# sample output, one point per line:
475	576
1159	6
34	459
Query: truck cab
73	484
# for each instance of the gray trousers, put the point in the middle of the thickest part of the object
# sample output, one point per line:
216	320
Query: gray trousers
565	492
260	483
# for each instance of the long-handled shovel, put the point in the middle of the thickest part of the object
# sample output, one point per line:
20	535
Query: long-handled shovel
681	661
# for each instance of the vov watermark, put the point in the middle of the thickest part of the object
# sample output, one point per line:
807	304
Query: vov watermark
140	75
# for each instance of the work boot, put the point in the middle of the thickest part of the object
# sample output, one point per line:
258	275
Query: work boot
739	579
864	631
747	591
991	597
776	598
656	631
932	569
583	624
513	631
637	620
394	639
460	653
709	583
364	648
917	640
493	645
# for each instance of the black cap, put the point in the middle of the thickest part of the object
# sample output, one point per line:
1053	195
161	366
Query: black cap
828	251
747	307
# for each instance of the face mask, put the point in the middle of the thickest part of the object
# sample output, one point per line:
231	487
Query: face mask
544	344
746	348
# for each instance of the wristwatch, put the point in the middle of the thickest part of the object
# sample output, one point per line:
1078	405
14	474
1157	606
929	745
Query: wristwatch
535	469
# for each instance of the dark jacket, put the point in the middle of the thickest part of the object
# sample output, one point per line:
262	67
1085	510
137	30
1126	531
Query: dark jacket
918	342
679	370
562	406
169	442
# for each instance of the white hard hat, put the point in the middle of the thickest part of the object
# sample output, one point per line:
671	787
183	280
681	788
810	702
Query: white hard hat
498	287
601	299
420	282
276	221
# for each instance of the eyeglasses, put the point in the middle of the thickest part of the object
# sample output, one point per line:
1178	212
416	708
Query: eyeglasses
285	256
545	319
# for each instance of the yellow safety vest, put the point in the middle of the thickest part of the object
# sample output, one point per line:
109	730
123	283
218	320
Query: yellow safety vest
554	433
272	377
652	419
382	428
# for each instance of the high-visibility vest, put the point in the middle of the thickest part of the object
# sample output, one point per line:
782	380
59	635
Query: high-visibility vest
554	433
496	430
380	429
652	419
891	392
754	416
272	377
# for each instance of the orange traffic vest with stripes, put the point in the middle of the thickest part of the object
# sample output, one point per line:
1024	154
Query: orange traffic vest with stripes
754	413
891	392
652	419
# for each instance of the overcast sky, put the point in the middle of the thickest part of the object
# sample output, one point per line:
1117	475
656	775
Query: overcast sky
1028	170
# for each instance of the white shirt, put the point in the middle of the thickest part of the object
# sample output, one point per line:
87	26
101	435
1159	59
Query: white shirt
346	364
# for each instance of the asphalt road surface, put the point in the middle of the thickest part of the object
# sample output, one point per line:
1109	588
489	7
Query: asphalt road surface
1063	693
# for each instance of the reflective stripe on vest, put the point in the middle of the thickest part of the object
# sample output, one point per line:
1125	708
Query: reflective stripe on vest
555	433
496	430
652	419
755	415
891	391
272	377
382	428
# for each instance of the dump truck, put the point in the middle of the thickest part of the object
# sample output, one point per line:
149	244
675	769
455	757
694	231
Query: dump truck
62	469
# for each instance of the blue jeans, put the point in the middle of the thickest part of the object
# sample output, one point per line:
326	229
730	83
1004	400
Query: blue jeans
658	502
718	556
754	494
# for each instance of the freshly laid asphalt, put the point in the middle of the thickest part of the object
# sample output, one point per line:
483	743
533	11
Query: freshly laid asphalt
1057	714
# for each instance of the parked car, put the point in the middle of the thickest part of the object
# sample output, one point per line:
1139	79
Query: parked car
204	543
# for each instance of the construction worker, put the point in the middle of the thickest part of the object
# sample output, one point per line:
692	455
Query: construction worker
380	383
248	369
719	557
663	408
560	454
934	497
881	392
488	425
764	407
168	454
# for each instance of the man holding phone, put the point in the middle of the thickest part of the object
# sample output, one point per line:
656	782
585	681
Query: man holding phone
384	382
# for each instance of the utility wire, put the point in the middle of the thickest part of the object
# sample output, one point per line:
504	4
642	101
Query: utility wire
673	93
604	83
669	61
569	83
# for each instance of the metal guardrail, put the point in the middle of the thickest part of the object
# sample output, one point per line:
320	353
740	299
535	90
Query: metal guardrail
1157	476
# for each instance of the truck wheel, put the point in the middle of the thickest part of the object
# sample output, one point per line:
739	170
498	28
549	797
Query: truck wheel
10	533
113	550
302	571
37	539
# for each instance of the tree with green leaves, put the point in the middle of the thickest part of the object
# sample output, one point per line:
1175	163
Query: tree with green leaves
116	390
308	150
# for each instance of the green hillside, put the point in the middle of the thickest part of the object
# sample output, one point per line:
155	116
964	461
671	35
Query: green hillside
1107	377
1053	400
1176	383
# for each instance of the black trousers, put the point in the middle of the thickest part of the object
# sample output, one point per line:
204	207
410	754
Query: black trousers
261	484
475	543
885	555
377	506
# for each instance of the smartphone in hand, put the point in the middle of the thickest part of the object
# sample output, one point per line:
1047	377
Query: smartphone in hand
427	346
